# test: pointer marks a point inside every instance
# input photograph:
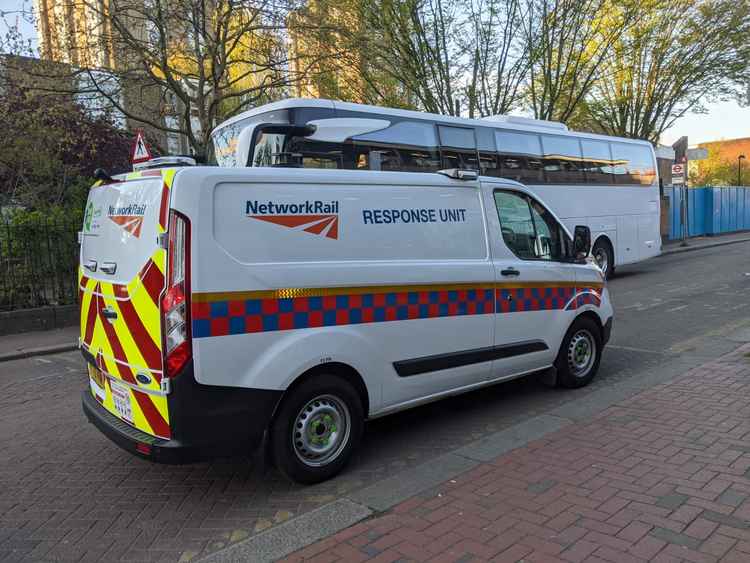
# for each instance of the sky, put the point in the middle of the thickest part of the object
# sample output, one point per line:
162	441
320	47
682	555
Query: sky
723	120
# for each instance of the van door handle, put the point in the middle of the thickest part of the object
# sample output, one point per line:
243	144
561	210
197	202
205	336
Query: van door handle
90	265
509	272
110	314
109	267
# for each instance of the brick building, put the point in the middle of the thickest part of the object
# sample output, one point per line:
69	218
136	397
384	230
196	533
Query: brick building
78	34
722	167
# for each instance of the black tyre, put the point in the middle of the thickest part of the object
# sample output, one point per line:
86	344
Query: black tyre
316	429
604	256
580	353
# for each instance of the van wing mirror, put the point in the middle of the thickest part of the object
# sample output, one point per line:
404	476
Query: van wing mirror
581	241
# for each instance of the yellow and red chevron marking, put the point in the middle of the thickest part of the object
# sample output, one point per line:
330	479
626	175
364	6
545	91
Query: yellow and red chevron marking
131	343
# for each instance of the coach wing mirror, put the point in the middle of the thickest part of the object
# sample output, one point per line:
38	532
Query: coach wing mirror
581	241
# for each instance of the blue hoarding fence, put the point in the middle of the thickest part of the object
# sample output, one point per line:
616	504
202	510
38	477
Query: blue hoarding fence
710	210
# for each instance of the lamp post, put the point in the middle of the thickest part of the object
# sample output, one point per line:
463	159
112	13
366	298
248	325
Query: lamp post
739	169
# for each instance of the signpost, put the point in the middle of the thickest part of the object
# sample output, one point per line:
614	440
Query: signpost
678	179
678	174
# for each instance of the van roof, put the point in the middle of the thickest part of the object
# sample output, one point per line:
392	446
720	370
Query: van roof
495	122
338	176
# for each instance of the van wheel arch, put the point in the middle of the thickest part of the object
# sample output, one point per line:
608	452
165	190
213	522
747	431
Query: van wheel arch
344	371
318	423
594	317
580	353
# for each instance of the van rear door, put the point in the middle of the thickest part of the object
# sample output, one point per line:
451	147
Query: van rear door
121	280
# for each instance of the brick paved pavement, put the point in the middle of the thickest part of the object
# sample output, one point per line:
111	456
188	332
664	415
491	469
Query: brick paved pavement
663	476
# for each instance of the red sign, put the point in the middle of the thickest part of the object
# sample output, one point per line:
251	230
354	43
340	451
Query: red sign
140	151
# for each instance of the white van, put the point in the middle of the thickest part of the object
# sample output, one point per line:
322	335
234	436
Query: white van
222	308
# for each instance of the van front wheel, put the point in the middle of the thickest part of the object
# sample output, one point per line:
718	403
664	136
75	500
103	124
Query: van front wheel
317	429
580	354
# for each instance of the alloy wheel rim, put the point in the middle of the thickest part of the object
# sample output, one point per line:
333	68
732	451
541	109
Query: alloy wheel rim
321	430
581	353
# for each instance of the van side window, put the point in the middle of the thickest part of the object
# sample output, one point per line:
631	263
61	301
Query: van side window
529	230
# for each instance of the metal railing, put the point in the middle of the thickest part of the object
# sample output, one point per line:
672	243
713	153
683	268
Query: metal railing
38	262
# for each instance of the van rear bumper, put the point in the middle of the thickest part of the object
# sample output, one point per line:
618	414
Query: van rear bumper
133	440
206	422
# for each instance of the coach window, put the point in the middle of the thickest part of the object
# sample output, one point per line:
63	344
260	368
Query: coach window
458	147
488	160
635	164
409	146
520	157
597	162
562	160
528	228
314	154
269	148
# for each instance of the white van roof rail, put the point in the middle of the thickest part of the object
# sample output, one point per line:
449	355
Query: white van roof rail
459	174
164	161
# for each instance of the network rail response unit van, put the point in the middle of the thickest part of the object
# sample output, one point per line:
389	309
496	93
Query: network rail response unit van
223	308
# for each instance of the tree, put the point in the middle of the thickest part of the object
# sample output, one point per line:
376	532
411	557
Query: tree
443	56
50	148
183	66
331	43
568	42
500	62
679	55
12	41
415	41
453	57
717	170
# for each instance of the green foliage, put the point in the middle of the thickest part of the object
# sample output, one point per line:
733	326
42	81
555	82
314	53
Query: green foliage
677	56
50	149
718	170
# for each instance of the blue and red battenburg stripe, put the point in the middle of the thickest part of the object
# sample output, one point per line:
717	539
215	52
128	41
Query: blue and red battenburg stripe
220	314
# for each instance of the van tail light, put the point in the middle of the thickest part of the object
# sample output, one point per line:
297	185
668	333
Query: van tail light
175	304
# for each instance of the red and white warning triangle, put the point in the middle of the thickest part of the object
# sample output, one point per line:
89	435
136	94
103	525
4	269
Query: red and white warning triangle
140	149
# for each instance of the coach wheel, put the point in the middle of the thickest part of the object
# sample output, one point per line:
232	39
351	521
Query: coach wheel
316	429
602	253
580	353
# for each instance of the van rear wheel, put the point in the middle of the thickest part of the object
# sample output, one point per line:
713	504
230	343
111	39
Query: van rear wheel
316	429
580	353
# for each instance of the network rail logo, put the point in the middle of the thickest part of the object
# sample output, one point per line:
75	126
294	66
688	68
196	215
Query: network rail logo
316	217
